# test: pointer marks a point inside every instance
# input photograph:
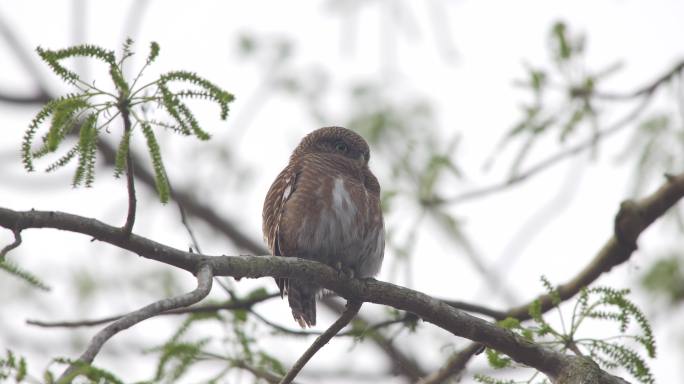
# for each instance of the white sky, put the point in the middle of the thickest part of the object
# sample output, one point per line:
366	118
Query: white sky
470	87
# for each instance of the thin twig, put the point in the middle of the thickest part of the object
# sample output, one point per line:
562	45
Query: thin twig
402	364
548	162
347	316
231	305
646	93
352	332
14	244
130	173
204	279
455	364
645	90
257	372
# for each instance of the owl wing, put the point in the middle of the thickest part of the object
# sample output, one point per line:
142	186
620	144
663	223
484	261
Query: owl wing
281	190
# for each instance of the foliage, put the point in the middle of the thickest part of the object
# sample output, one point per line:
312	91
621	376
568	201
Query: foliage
666	277
30	278
90	372
180	353
576	108
176	356
12	367
655	148
91	110
609	351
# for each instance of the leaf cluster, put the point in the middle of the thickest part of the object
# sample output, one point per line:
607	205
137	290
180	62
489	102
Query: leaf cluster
15	270
12	367
666	277
610	351
90	111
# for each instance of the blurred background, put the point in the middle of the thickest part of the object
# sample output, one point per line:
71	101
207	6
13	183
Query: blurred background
504	135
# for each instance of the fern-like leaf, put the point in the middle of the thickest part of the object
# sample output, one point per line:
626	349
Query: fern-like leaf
160	180
64	160
626	358
87	145
31	279
215	93
154	52
63	120
92	373
52	58
121	152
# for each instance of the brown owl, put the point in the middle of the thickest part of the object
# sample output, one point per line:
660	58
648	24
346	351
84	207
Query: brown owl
325	206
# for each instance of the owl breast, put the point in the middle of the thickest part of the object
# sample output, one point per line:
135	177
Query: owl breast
344	227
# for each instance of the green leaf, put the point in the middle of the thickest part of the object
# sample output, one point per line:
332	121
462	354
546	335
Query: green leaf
666	277
15	270
87	146
154	52
160	180
121	152
52	58
497	359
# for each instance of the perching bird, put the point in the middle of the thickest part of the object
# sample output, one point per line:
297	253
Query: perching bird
325	206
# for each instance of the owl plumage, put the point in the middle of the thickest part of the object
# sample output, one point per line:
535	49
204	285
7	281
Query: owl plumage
325	206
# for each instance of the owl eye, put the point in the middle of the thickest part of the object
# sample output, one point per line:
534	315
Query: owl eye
341	147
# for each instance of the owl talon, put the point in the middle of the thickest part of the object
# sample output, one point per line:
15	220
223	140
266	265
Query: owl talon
343	272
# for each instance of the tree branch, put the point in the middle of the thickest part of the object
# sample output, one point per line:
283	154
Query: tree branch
636	216
257	372
130	172
401	363
353	308
210	308
12	245
644	91
39	98
550	362
204	279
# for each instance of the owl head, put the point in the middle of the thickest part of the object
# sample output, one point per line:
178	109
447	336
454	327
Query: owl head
336	141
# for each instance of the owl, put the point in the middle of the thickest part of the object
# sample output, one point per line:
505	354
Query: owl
325	206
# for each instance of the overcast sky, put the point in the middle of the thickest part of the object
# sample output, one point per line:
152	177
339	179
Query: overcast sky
461	56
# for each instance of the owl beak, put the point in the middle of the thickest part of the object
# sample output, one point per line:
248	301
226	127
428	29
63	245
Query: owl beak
361	160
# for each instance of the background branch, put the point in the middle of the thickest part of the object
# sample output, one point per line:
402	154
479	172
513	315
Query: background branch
209	308
204	279
351	311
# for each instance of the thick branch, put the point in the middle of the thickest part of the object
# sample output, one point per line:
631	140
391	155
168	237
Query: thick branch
615	251
204	279
634	215
353	308
432	310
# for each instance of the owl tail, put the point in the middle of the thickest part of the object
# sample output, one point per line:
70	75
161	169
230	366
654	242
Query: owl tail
302	300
